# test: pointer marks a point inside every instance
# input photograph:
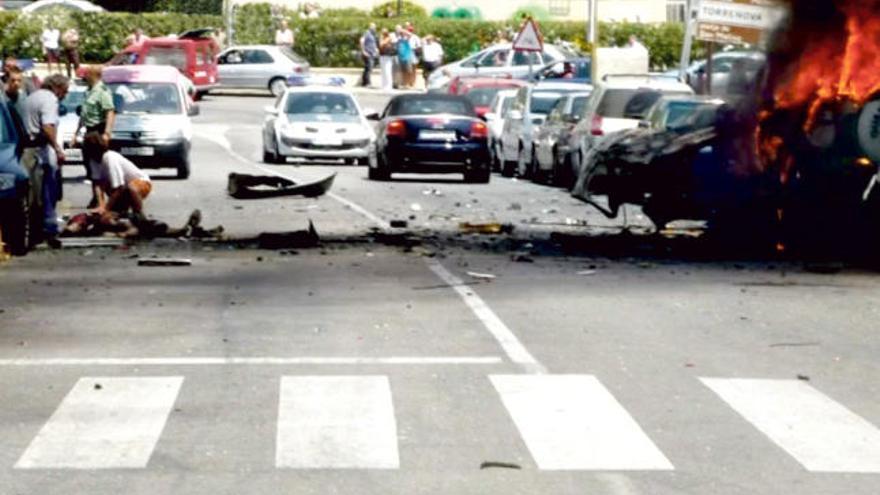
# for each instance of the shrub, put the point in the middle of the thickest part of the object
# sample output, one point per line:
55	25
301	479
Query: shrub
407	9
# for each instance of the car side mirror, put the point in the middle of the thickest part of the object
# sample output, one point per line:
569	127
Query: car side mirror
373	116
644	124
515	115
537	120
62	111
270	110
194	110
572	119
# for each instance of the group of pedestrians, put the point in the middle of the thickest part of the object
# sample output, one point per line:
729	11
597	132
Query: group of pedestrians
57	46
399	54
118	186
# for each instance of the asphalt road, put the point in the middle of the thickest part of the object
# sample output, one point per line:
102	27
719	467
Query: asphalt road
625	364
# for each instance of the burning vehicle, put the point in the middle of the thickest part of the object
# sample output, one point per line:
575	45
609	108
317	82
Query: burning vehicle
798	157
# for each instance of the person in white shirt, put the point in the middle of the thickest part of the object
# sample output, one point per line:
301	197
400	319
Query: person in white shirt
432	56
122	187
284	36
51	48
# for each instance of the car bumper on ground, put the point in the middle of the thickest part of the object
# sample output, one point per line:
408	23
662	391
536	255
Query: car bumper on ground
436	157
153	154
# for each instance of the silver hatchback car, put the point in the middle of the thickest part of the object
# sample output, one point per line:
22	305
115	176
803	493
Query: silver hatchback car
260	67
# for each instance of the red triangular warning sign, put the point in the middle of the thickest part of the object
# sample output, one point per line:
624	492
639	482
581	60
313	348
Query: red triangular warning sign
529	38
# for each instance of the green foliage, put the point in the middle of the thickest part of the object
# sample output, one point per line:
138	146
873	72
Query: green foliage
537	12
101	34
408	10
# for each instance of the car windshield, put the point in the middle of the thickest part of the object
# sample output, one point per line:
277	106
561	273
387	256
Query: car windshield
506	104
322	106
542	103
689	115
579	105
629	103
482	97
428	106
162	55
73	100
150	98
292	55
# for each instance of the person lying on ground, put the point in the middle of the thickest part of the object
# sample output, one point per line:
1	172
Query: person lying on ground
122	187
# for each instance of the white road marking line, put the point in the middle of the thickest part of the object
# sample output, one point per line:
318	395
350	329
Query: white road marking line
336	422
112	425
514	349
572	422
821	434
220	139
218	361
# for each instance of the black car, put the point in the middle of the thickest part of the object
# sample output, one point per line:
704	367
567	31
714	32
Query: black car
431	133
643	166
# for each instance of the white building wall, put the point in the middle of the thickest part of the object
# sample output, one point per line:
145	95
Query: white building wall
648	11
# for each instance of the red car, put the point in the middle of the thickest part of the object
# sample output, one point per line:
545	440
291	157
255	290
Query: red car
194	54
480	91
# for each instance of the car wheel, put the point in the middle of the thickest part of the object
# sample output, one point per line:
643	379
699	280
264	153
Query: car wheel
380	172
479	176
277	86
183	168
16	227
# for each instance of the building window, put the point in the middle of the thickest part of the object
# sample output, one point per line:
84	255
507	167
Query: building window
560	7
676	10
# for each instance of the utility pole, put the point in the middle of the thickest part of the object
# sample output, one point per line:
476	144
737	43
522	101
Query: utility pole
690	19
593	38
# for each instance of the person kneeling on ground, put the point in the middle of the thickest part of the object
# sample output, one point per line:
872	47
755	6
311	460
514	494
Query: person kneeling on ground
122	187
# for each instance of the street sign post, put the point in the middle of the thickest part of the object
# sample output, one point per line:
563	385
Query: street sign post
737	22
529	39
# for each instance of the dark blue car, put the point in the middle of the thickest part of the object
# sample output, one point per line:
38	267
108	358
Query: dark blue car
431	133
14	187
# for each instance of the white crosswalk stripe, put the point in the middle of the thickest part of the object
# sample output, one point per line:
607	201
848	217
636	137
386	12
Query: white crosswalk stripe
566	422
336	422
104	423
572	422
818	432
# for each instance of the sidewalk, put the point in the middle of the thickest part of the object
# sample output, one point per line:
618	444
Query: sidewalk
352	76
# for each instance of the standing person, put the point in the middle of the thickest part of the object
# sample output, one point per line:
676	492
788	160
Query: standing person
415	42
98	115
432	56
369	53
405	59
136	38
387	52
51	49
13	96
44	150
70	40
283	35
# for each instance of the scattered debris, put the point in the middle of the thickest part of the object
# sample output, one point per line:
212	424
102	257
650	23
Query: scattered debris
415	207
165	262
803	378
290	240
432	192
796	344
515	207
243	186
587	273
521	257
485	228
399	224
91	242
481	276
98	386
501	465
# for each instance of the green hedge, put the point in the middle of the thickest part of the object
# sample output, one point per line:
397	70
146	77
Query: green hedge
101	34
333	40
330	41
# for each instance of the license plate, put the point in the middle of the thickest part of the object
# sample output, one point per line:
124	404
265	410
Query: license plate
437	135
73	154
328	142
142	151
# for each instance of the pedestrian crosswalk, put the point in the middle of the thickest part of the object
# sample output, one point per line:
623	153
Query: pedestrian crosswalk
565	422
